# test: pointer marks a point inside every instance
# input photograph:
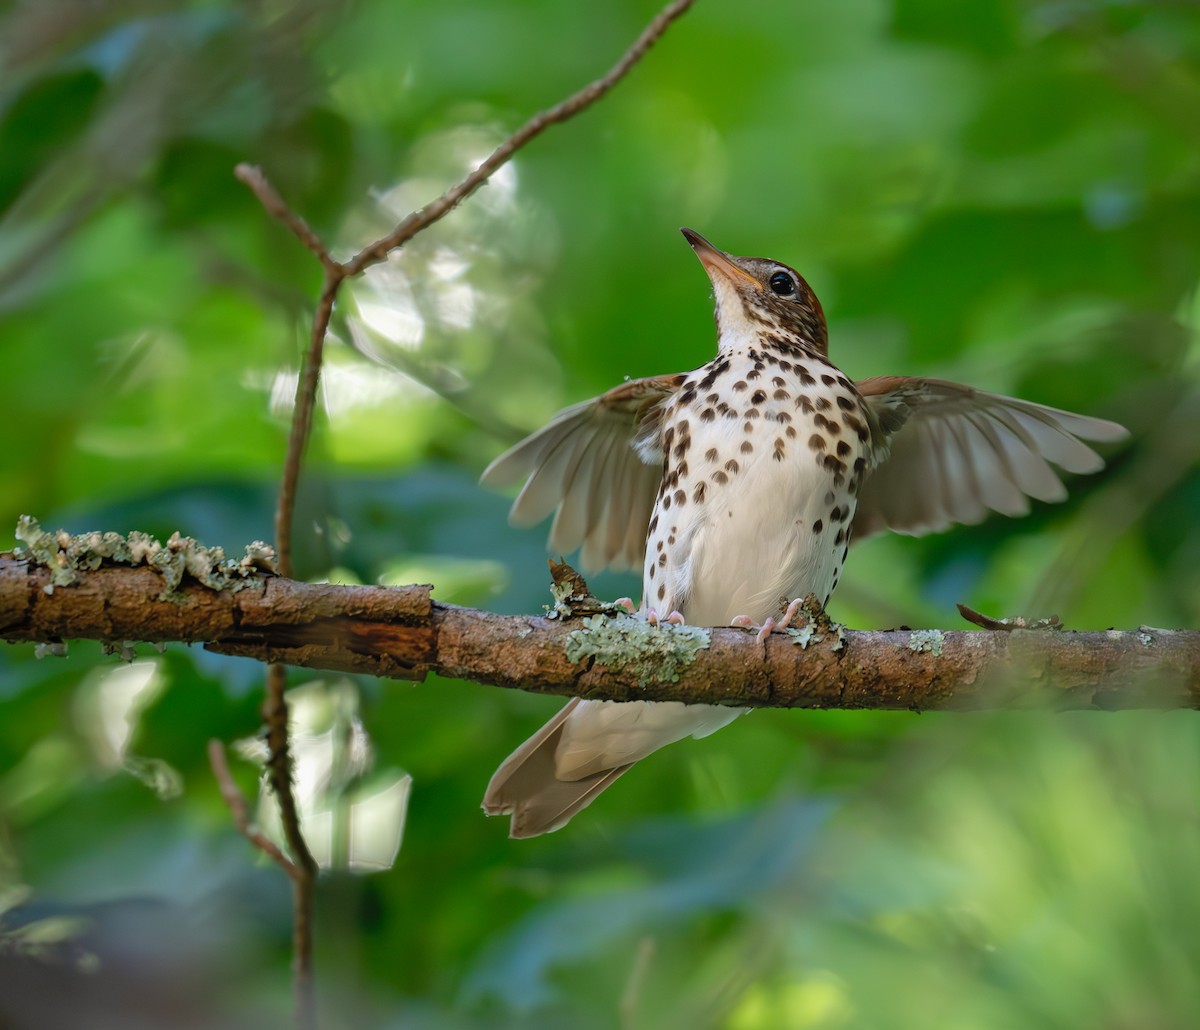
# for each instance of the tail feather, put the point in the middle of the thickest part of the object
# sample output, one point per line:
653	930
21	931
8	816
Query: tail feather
527	785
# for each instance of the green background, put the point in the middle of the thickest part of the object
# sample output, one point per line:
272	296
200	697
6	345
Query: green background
1001	193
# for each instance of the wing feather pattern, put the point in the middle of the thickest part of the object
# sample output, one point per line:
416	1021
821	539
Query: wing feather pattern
953	452
584	466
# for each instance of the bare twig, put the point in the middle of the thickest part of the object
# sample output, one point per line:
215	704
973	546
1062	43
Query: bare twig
435	210
1009	624
304	876
302	416
276	207
275	706
240	809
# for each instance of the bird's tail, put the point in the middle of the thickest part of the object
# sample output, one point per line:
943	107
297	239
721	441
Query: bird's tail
527	785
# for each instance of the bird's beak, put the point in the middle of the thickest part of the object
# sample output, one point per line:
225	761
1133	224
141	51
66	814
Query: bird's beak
716	262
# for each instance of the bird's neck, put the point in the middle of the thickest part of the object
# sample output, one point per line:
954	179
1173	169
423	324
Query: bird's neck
745	338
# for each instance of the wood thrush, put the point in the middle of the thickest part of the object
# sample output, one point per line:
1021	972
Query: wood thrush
741	483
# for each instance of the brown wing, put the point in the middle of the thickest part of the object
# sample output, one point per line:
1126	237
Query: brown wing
956	452
600	464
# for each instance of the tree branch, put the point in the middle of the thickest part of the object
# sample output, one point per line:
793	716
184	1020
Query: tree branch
402	633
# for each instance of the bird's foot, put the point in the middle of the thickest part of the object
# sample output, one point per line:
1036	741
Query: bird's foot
809	605
652	617
626	603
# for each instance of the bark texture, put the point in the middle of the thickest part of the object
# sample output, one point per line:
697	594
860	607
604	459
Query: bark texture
402	633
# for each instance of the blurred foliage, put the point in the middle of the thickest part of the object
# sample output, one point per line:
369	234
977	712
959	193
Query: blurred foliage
1005	193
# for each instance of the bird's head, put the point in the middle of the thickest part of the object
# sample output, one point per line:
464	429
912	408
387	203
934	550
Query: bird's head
758	298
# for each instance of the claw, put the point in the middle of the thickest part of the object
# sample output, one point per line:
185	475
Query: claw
771	625
652	617
789	614
627	604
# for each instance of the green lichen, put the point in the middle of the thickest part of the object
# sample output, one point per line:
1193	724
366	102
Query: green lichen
66	556
804	636
926	640
810	634
653	653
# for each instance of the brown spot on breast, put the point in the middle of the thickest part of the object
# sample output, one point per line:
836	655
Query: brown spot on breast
662	559
816	442
711	454
791	432
680	497
666	502
827	379
783	417
653	524
748	427
843	448
754	374
720	478
782	395
752	413
779	449
707	415
804	404
698	493
818	526
681	448
740	385
837	540
823	404
834	464
806	377
845	403
731	465
662	590
747	447
758	397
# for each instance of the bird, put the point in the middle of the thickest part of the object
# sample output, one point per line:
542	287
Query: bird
741	484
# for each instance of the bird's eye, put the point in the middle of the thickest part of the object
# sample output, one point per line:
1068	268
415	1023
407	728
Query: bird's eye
782	284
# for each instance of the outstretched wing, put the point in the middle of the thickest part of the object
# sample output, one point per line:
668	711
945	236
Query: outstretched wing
600	464
956	452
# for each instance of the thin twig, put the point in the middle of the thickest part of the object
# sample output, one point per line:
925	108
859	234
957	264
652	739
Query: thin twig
1009	624
304	876
584	98
275	706
302	417
240	809
275	205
